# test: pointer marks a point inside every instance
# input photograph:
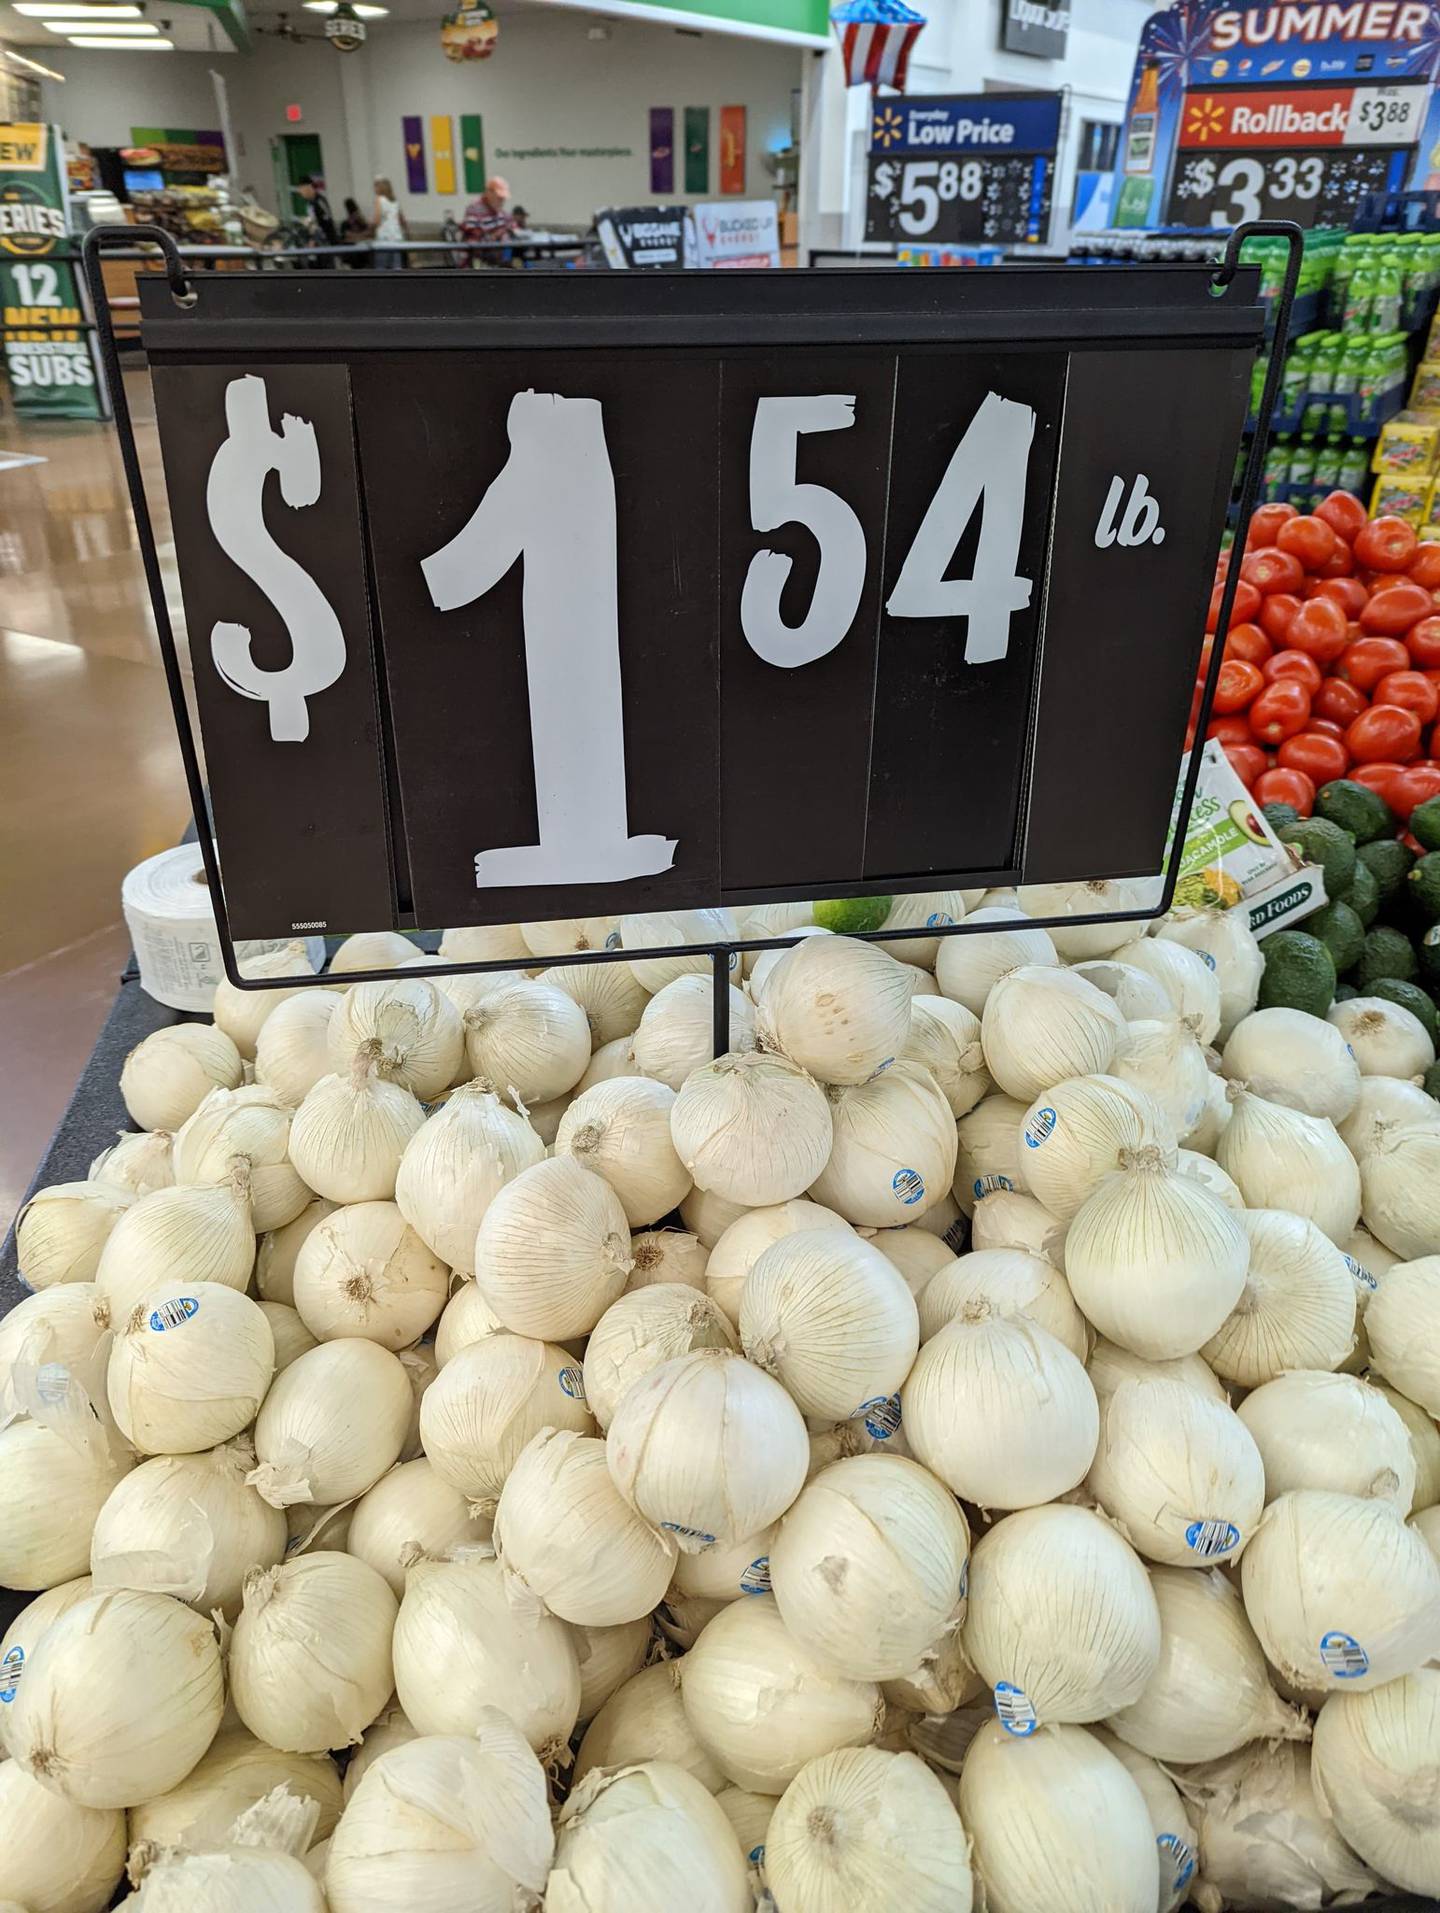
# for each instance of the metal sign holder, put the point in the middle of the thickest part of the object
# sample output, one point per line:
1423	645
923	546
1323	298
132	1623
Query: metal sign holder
721	956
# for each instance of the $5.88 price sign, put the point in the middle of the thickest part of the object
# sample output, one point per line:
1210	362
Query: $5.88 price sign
567	632
1001	199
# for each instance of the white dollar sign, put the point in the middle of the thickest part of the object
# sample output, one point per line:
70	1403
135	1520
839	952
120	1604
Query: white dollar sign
234	500
884	180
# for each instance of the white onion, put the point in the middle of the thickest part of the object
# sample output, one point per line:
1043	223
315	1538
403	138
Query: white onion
752	1127
121	1696
275	1254
611	995
1384	1104
553	1250
915	1252
1191	985
332	1424
64	1328
461	1644
1400	1323
487	1402
709	1216
660	930
190	1234
761	1703
945	1040
621	1131
1374	1764
1315	1430
292	1051
1384	1038
528	1040
309	1664
861	1823
411	1507
894	1149
1042	1025
1424	1446
482	943
1000	1411
1294	1059
237	1772
417	1028
254	1124
567	1539
467	1317
1154	1260
1162	1060
921	910
645	1839
1182	1476
644	1719
667	1255
1110	1365
737	1247
1176	1841
1210	1692
187	1525
381	950
456	1165
968	967
609	1656
832	1319
1225	939
349	1134
1297	1306
644	1328
291	1336
166	1077
242	1014
1401	1183
1136	994
1340	1591
869	1565
138	1160
1011	1283
837	1007
676	1031
1004	1219
1280	1158
445	1822
1075	1132
1061	1623
61	1232
708	1448
1208	1173
1094	897
365	1272
63	1857
189	1368
52	1488
1264	1839
1056	1821
1205	1134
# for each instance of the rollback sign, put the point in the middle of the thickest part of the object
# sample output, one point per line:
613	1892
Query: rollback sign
1293	109
592	593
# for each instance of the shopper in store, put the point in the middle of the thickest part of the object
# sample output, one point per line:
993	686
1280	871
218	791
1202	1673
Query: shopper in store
318	216
354	227
489	220
391	231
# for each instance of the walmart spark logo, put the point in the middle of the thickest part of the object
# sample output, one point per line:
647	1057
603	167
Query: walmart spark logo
1204	121
887	128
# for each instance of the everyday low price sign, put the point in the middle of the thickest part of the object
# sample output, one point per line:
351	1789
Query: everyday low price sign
962	169
604	592
48	354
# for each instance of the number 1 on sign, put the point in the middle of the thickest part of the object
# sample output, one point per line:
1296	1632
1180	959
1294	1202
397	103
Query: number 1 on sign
553	504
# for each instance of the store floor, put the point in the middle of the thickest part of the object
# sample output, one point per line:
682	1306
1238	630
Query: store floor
90	773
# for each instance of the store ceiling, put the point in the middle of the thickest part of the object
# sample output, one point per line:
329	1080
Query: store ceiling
192	28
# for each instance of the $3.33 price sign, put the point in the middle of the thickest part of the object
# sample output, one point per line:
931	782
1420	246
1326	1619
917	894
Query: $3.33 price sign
574	629
1314	189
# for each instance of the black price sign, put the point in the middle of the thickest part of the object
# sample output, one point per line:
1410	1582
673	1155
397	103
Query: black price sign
962	169
1314	189
525	597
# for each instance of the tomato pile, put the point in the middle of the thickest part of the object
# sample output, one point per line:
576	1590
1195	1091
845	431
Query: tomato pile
1332	663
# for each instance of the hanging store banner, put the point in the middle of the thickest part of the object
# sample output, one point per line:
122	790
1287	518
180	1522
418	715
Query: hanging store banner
1278	109
442	152
962	169
49	350
697	149
678	555
413	133
472	151
662	149
732	149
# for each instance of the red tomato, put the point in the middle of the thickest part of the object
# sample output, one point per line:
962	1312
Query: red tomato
1318	756
1394	608
1248	642
1412	691
1294	664
1237	684
1342	512
1340	563
1247	761
1247	603
1326	726
1340	701
1286	786
1367	660
1413	786
1376	777
1422	640
1271	570
1276	615
1348	593
1319	629
1265	523
1383	734
1229	730
1384	544
1424	567
1309	539
1279	711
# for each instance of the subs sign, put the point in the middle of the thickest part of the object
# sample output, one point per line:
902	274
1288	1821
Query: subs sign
515	597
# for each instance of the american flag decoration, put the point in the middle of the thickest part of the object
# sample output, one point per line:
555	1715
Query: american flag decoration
876	37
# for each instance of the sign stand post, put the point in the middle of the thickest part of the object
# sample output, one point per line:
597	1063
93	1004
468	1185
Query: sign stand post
290	456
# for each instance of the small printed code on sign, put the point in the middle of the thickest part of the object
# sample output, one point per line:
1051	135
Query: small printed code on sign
1212	1537
174	1314
1343	1656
